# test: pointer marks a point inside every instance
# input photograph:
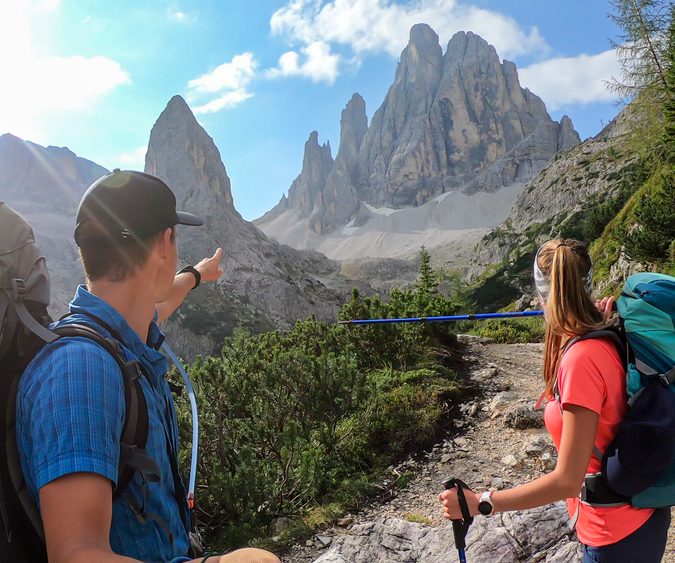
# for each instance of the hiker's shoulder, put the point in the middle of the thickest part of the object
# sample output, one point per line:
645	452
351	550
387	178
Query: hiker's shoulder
71	359
591	354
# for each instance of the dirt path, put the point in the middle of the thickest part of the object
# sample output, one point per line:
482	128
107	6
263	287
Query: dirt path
483	450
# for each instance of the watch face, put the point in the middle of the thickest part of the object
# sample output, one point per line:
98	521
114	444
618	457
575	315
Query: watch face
484	508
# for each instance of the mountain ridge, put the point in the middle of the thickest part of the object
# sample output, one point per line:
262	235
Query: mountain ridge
428	139
265	285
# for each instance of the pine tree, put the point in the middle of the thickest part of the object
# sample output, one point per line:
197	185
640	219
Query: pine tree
643	45
427	281
669	104
650	241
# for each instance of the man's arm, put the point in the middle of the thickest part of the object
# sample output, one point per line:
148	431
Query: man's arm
208	268
77	512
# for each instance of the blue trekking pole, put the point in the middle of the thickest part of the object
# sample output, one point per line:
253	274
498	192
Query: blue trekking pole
460	527
447	318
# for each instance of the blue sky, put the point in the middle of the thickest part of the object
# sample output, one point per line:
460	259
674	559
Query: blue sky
261	74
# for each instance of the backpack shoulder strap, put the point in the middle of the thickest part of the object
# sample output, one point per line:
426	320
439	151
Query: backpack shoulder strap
613	333
134	436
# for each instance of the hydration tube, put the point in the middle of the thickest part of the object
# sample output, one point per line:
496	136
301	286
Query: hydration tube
470	317
195	423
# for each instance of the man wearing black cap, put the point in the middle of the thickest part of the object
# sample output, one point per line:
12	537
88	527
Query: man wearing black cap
71	404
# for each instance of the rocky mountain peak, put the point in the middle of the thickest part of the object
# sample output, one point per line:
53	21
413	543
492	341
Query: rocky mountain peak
467	49
180	149
339	200
568	137
458	123
317	159
306	191
422	38
417	75
353	127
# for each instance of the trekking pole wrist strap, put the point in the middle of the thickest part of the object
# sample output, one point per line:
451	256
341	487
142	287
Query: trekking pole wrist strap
460	527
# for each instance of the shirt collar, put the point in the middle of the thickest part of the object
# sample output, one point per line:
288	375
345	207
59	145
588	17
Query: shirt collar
86	302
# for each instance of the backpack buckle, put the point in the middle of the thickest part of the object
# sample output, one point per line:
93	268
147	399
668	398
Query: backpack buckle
664	380
18	288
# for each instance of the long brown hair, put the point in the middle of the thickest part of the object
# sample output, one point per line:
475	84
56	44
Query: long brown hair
569	309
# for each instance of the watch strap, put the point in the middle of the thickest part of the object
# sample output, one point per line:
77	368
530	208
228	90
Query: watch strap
192	270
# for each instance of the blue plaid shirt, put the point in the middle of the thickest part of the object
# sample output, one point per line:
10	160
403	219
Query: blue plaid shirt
70	413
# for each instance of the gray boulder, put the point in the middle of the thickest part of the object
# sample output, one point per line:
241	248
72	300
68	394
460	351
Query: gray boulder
541	534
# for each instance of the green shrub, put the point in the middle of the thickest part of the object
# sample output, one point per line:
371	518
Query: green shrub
296	422
511	331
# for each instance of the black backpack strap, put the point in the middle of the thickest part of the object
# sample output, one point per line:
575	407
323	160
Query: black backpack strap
16	298
134	437
615	334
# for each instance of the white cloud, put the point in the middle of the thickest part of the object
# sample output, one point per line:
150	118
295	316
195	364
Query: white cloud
38	86
229	80
227	100
319	63
133	160
235	74
384	26
567	80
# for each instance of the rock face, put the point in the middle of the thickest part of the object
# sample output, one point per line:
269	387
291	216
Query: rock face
458	122
454	122
265	285
550	201
45	185
540	534
50	179
340	198
324	193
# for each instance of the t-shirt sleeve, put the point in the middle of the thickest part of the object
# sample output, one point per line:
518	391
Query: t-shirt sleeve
581	380
73	407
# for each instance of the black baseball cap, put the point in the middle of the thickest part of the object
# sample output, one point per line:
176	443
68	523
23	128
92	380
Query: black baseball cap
127	205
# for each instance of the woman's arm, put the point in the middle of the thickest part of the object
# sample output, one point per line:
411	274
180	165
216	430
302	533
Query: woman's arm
576	446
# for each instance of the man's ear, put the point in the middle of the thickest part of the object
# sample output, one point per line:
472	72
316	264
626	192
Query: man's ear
166	242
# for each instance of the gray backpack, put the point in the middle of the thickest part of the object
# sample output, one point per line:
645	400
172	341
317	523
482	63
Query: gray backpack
24	330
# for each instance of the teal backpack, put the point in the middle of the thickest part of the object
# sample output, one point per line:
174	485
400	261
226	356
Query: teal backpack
647	309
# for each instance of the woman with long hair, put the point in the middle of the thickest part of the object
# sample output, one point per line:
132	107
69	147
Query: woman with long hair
585	389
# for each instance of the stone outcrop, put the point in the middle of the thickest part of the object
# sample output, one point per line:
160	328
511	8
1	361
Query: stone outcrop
455	122
540	534
563	188
340	199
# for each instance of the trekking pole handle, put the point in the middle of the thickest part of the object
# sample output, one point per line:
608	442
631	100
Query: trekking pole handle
460	527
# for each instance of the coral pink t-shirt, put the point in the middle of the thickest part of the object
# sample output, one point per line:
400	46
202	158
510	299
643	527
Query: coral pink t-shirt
591	376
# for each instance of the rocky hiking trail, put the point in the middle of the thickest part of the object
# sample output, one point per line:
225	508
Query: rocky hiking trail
498	441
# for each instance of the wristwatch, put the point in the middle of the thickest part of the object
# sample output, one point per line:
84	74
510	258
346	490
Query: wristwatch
194	272
485	505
